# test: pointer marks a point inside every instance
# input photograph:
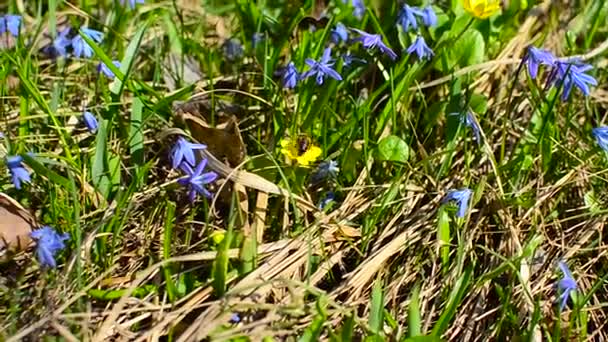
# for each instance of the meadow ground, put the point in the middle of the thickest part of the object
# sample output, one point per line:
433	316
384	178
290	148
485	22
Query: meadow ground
371	170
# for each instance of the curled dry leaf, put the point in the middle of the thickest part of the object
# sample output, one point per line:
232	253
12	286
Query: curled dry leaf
16	224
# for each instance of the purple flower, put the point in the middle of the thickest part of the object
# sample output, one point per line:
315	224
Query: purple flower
290	76
535	57
90	121
18	173
461	197
196	180
184	149
82	48
340	33
601	136
407	17
429	18
565	286
420	48
132	3
49	243
370	41
11	24
322	68
103	68
572	73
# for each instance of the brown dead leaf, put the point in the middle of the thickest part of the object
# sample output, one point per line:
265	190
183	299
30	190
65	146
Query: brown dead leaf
16	224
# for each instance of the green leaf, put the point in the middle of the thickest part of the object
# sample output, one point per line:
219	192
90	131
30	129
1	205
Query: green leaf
376	315
415	324
443	236
452	303
42	170
393	148
136	136
467	50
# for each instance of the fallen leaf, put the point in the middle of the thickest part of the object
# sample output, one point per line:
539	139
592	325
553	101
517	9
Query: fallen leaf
16	224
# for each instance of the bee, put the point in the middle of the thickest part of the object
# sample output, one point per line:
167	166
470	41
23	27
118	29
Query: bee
303	143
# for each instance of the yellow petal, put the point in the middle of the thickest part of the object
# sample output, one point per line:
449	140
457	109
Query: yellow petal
310	156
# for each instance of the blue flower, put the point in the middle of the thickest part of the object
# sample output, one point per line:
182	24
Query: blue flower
290	76
18	173
359	10
461	197
325	170
11	24
601	136
233	50
235	318
565	286
572	73
61	43
196	179
132	3
340	33
103	68
322	68
535	57
90	121
184	149
49	243
469	120
407	17
420	48
429	18
327	199
370	41
348	59
81	48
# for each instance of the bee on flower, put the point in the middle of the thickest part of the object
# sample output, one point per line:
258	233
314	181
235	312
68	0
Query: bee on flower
481	9
302	150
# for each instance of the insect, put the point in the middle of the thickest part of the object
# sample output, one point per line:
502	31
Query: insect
303	143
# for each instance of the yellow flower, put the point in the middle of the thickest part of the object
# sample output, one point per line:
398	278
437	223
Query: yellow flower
481	8
295	150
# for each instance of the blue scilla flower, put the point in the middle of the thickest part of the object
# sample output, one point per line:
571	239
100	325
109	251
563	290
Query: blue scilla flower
601	136
10	23
573	74
535	57
49	242
339	34
132	3
565	286
82	48
428	16
461	197
359	8
183	150
348	60
61	43
196	179
326	170
233	49
407	17
468	120
322	68
19	174
371	41
419	47
103	68
290	76
90	121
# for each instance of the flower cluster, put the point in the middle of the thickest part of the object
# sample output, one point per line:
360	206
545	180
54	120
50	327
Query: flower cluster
183	158
49	242
408	20
564	73
66	40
